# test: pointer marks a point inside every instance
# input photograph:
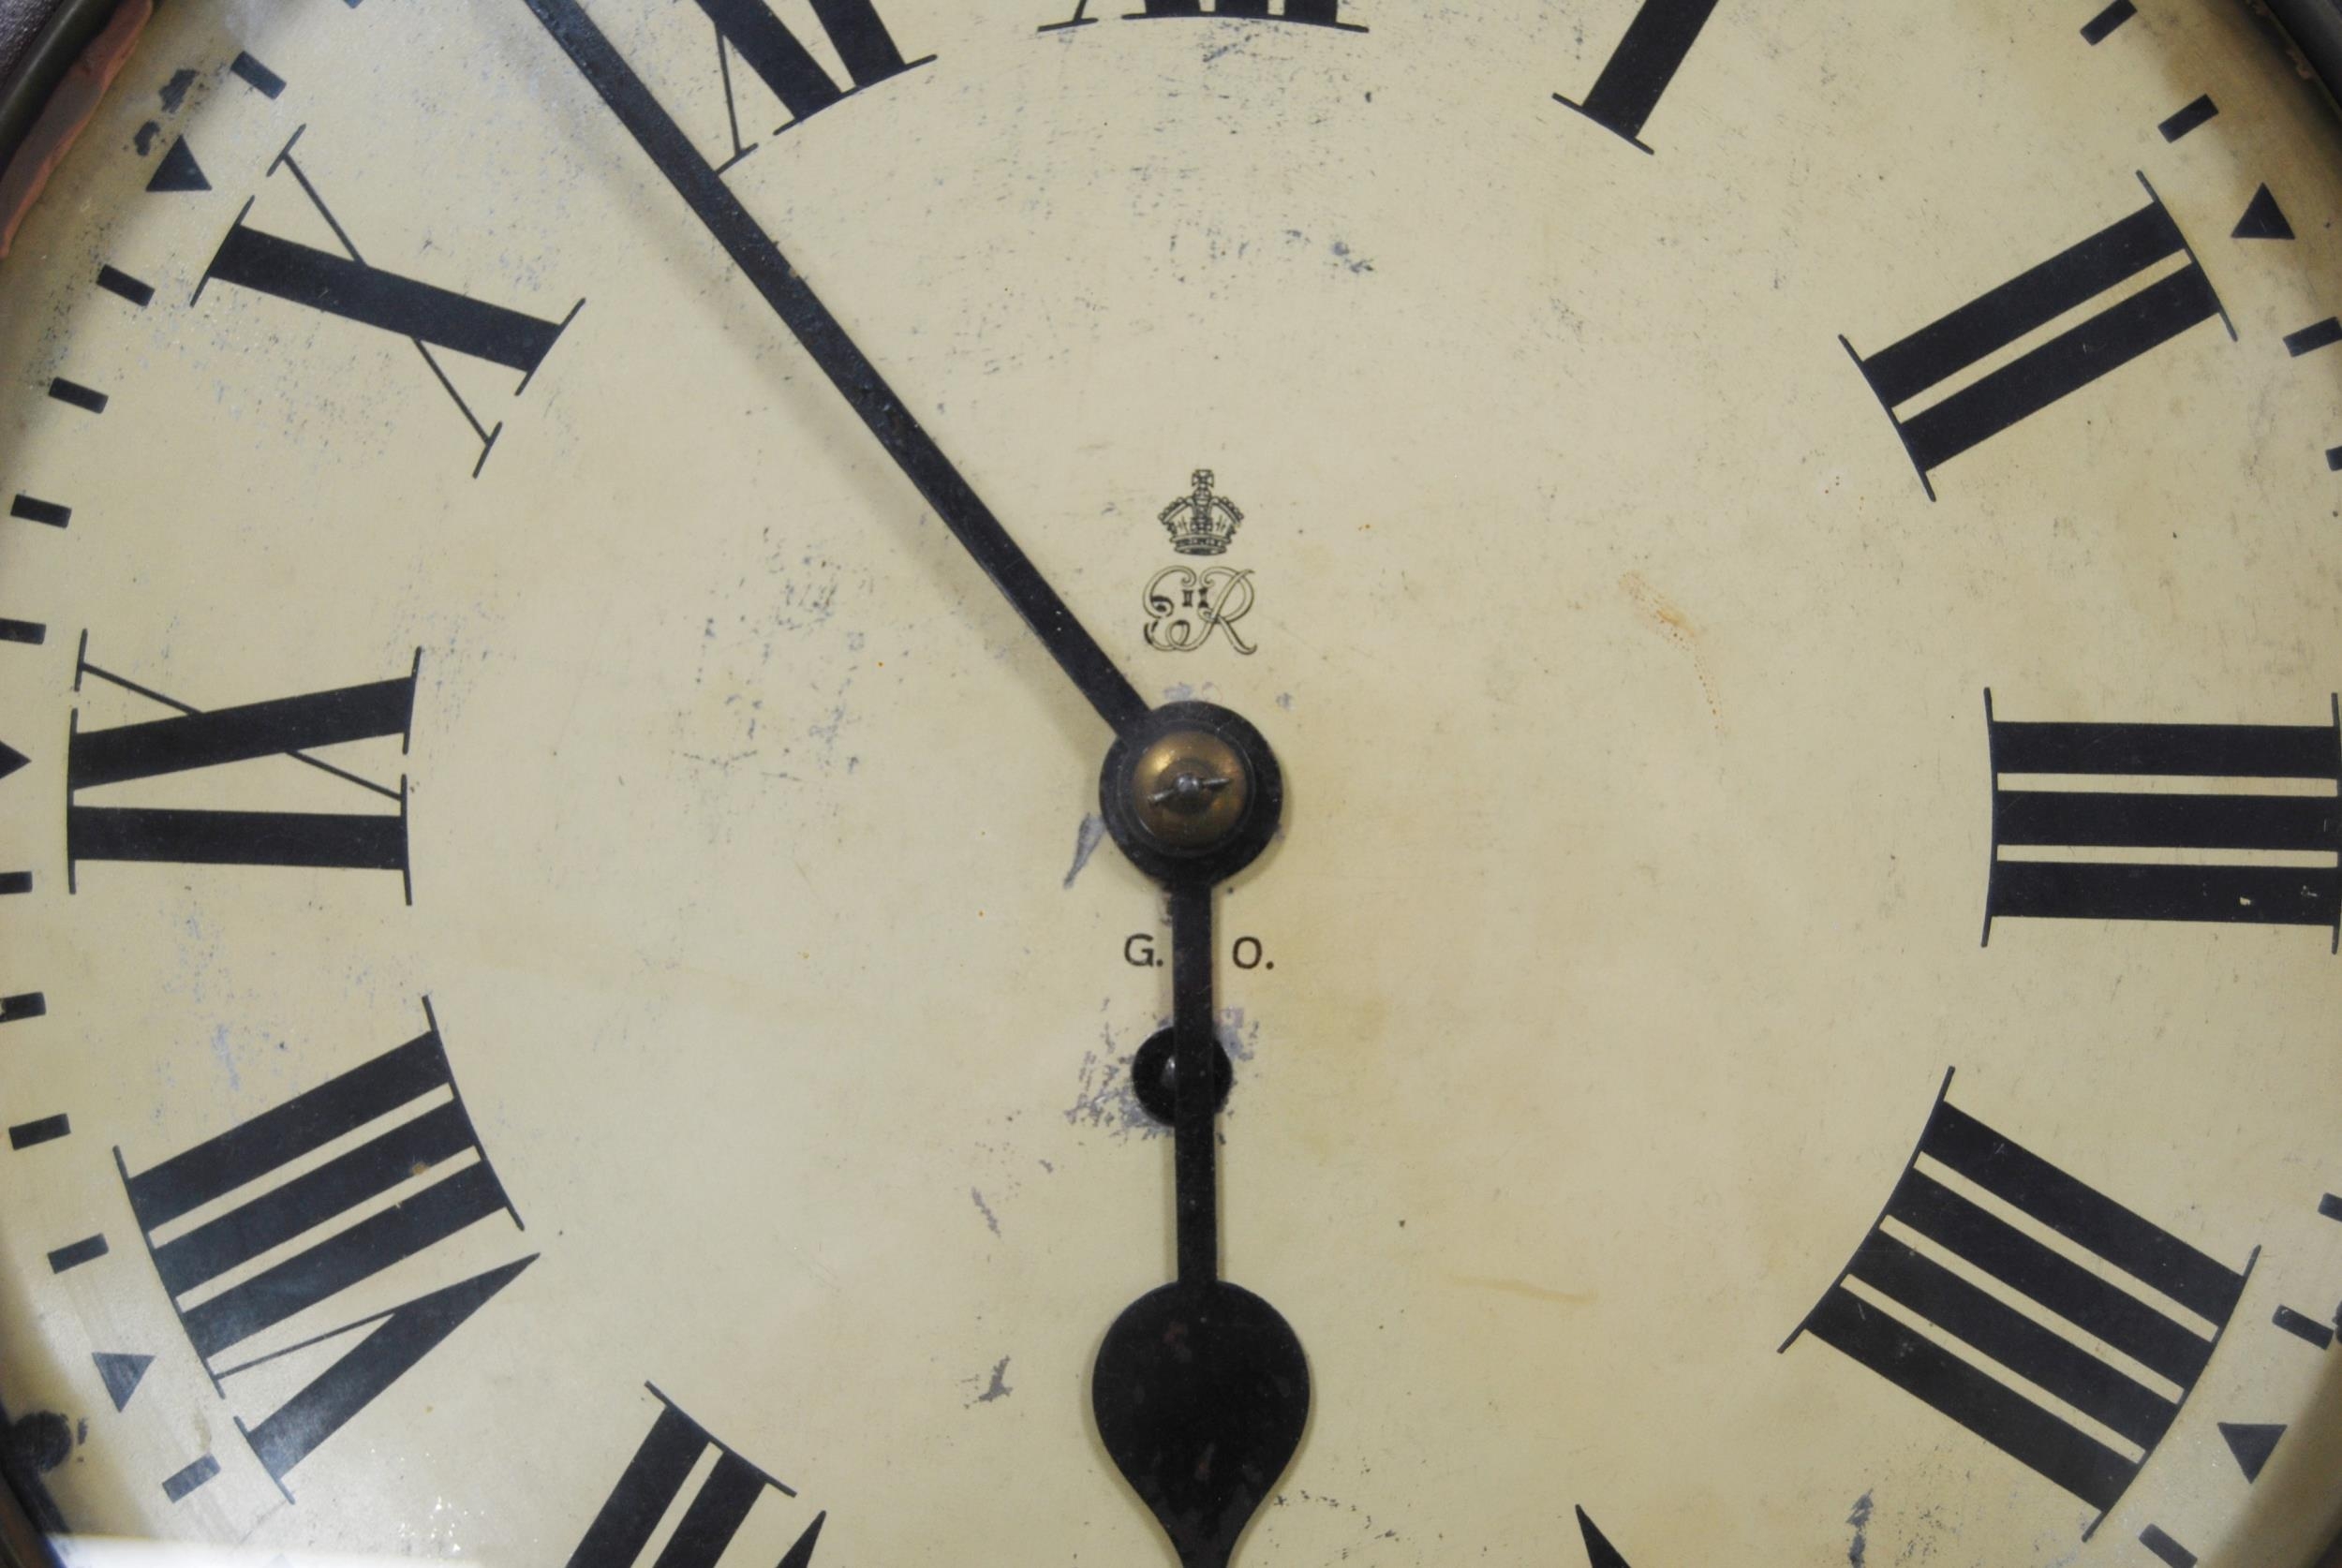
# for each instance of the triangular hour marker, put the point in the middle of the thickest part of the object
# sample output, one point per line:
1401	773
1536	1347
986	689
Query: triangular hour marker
10	758
178	171
2252	1445
1599	1552
2264	219
122	1374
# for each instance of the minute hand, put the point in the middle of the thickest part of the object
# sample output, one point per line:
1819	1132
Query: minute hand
849	370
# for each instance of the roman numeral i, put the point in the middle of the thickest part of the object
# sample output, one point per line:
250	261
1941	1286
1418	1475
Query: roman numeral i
2079	1384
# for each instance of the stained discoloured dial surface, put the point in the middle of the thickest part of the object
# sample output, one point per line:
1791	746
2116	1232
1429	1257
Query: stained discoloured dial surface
564	997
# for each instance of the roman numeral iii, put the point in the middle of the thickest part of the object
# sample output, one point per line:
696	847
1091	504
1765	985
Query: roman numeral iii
653	1482
2057	1384
2207	839
1907	376
283	1198
192	739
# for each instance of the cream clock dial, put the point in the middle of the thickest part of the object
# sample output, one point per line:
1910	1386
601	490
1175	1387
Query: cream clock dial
1188	782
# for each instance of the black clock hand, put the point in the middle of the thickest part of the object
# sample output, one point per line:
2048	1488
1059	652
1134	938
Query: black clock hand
1195	1153
849	370
1200	1391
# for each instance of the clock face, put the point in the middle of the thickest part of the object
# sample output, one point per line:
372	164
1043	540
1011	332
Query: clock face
572	989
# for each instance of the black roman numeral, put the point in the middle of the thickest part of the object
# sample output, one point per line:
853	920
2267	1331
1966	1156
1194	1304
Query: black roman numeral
274	1211
345	286
1994	1262
653	1481
2202	824
2098	267
796	79
1642	65
764	43
1313	13
191	739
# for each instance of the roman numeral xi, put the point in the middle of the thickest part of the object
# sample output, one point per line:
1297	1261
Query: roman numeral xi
2167	821
764	43
2139	274
191	739
2082	1386
297	1211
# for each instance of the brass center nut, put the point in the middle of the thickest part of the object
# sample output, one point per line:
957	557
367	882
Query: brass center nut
1190	791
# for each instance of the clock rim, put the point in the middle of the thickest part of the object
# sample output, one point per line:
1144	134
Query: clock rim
2309	30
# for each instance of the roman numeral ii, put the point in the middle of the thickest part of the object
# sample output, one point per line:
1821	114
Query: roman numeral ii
2234	854
2104	267
282	1197
2057	1387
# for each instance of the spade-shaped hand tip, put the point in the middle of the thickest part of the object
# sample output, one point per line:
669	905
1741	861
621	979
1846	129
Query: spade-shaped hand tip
1201	1393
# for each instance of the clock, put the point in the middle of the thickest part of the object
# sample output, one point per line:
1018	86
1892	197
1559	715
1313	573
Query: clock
1214	782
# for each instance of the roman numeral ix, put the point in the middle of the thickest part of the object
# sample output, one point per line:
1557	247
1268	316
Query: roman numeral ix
2041	1315
2204	836
1939	412
653	1482
192	739
275	1252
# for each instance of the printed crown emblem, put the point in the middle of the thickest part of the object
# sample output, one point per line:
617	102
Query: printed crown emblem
1201	523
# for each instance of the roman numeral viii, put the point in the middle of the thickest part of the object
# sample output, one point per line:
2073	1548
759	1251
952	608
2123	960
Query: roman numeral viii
653	1484
2167	821
290	1215
192	739
2080	1384
2140	276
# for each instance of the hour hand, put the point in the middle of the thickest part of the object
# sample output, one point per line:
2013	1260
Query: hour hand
1201	1390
